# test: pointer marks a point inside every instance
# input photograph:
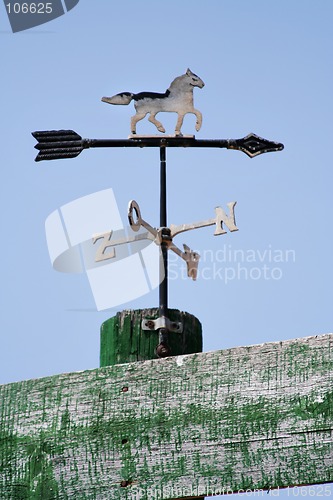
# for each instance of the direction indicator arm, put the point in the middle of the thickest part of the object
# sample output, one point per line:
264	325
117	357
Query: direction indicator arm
188	227
191	258
221	217
133	207
102	254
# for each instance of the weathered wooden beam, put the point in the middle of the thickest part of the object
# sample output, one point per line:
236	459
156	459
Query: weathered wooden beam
248	417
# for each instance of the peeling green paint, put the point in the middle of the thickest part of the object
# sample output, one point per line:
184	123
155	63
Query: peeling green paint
315	405
214	420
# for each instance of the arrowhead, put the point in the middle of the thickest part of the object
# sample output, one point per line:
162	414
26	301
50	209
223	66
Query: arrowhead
253	145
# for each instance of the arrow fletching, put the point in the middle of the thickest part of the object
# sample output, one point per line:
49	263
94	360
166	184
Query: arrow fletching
57	144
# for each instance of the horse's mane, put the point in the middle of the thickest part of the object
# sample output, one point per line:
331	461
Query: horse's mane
176	81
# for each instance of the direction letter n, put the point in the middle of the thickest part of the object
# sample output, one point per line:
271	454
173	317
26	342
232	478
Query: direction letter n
222	217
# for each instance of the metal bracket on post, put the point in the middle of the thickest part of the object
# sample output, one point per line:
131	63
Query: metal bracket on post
162	322
164	326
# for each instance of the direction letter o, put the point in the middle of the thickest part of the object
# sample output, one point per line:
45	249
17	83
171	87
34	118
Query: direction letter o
133	206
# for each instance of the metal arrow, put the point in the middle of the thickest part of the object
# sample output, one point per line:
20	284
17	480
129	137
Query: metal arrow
58	144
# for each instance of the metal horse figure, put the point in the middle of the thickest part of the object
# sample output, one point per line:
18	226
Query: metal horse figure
178	98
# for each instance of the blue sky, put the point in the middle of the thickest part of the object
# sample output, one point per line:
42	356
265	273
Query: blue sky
267	67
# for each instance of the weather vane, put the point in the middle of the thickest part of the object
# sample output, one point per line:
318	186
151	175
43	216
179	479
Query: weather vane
177	98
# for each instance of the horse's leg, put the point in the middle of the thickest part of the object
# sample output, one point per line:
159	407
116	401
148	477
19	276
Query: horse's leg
135	119
179	123
199	119
157	124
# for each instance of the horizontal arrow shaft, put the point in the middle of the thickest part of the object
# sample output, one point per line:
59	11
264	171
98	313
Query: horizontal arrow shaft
186	142
153	142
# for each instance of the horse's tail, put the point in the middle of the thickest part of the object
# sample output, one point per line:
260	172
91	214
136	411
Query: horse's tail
122	98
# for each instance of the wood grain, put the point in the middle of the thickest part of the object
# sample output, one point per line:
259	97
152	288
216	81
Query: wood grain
255	417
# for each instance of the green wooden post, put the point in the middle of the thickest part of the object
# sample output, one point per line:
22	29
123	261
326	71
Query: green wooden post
124	341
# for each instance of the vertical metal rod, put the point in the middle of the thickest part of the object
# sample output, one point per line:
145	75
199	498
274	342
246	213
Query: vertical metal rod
163	202
163	289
